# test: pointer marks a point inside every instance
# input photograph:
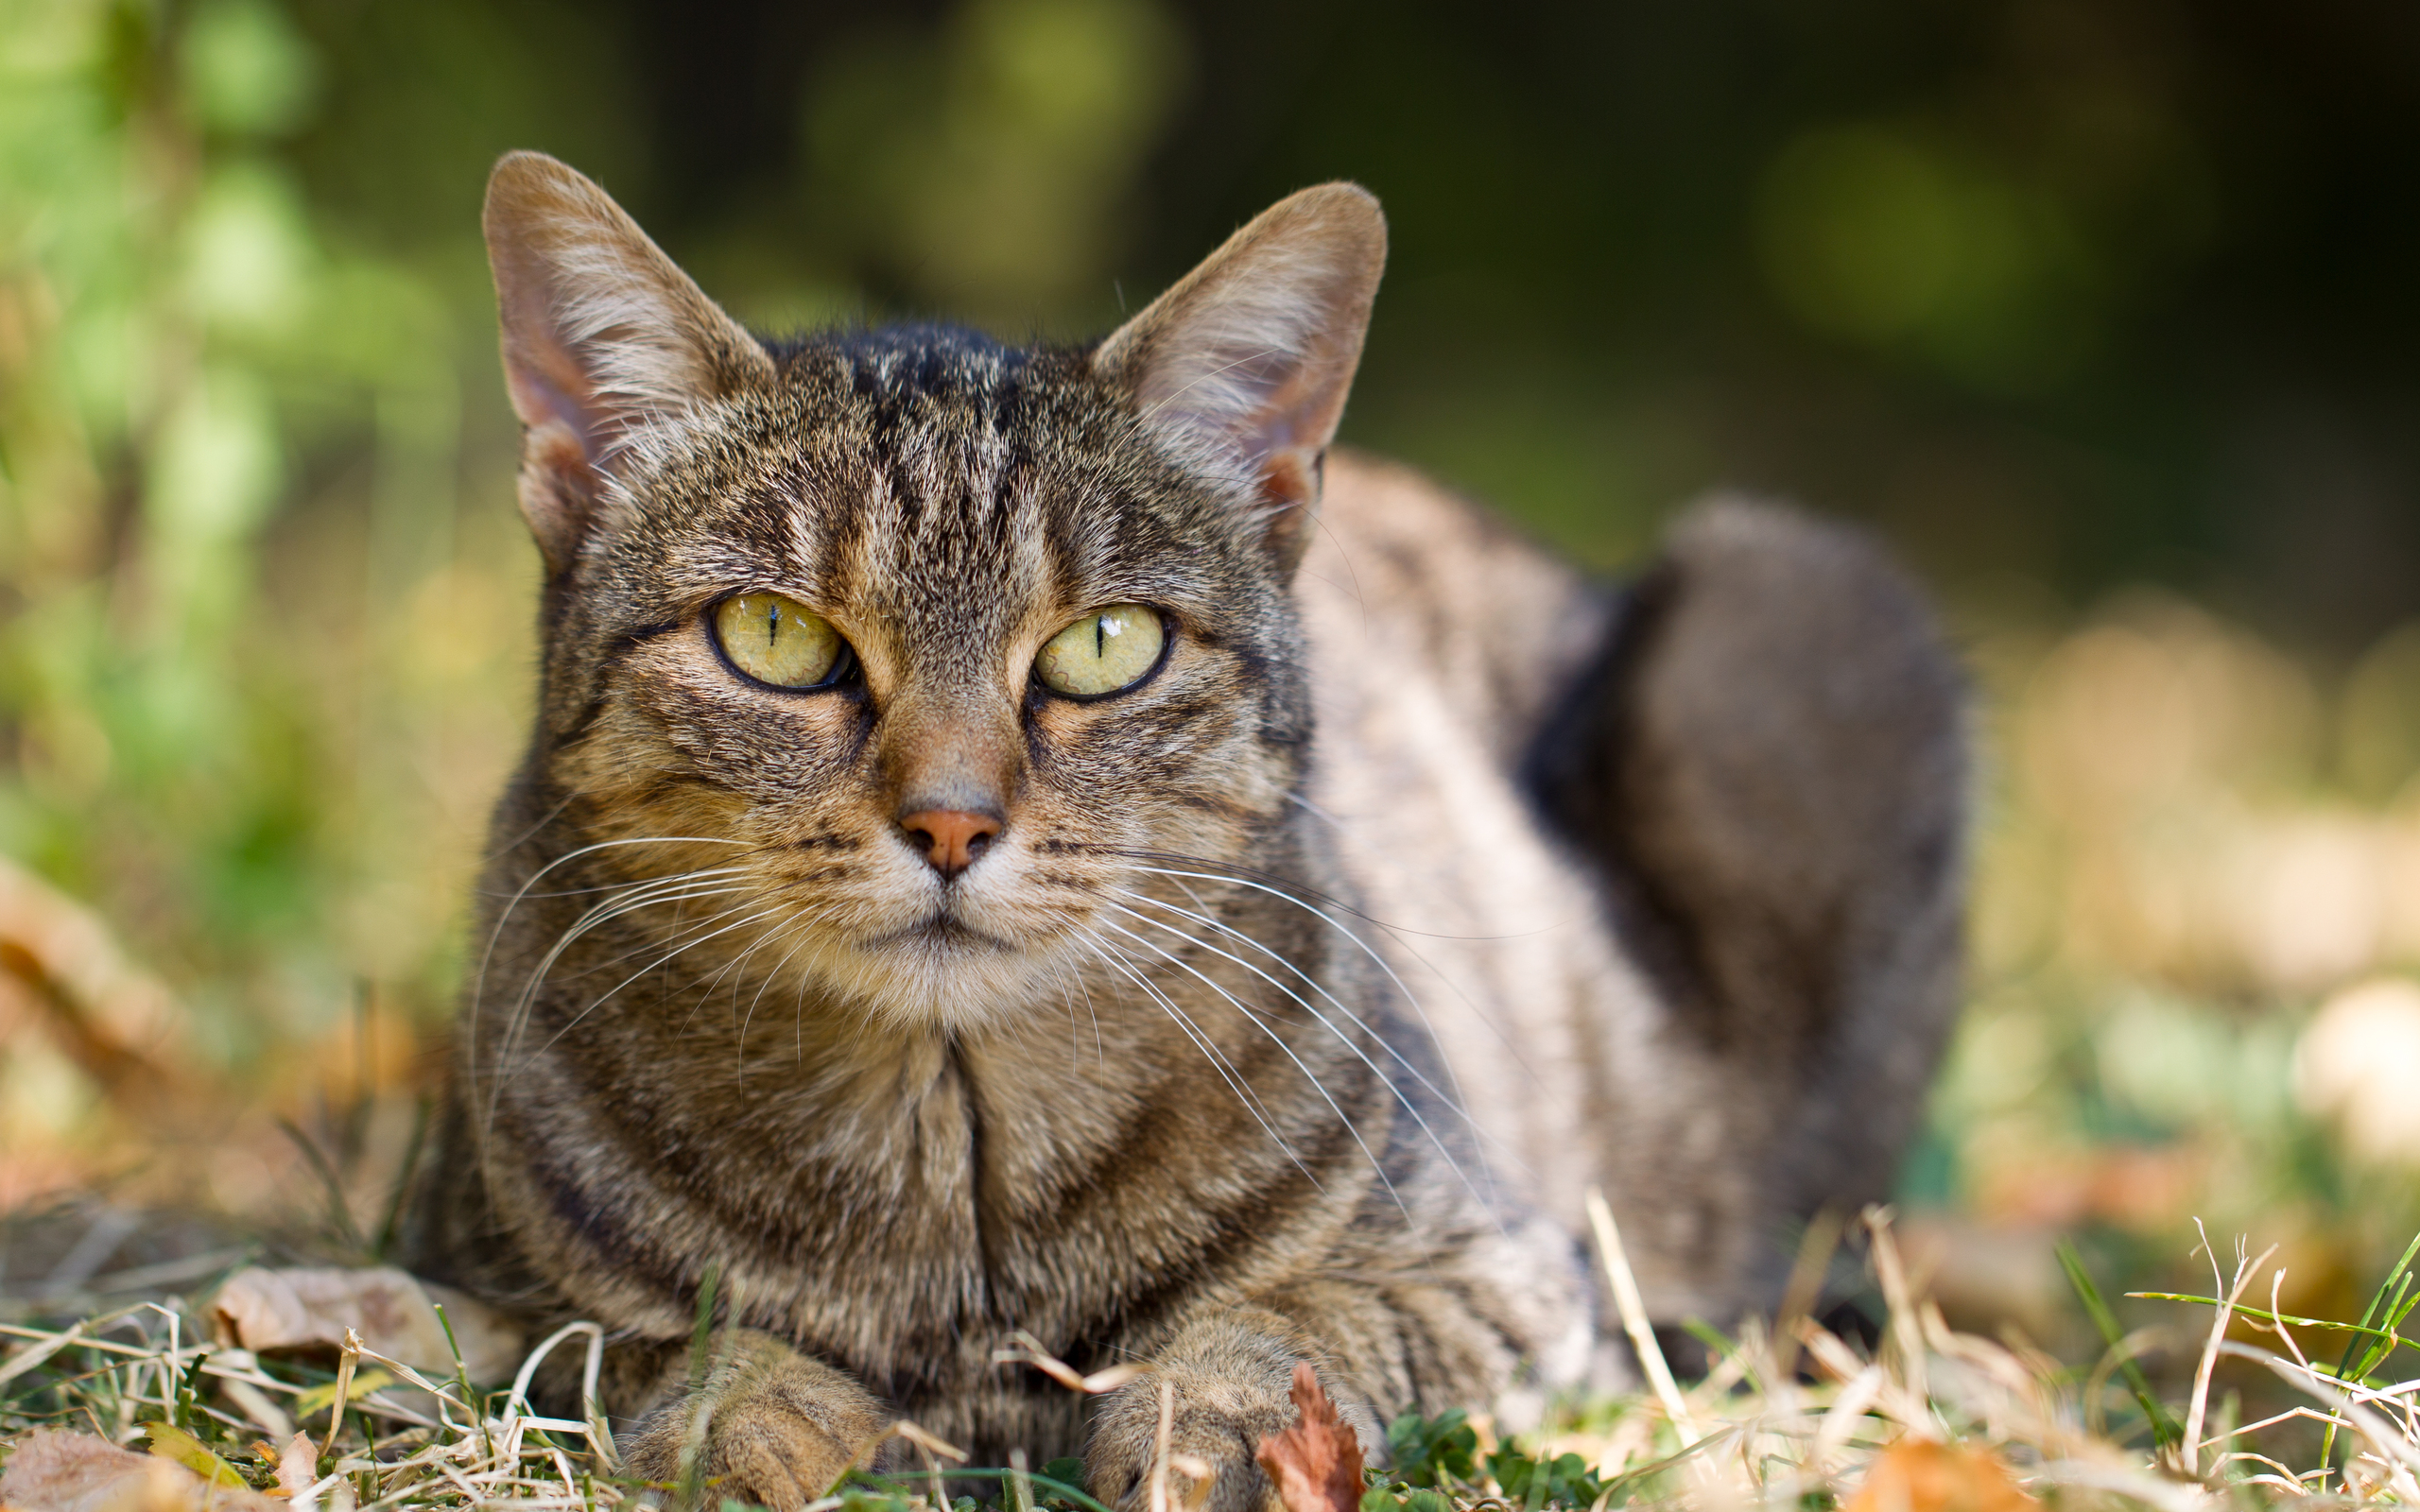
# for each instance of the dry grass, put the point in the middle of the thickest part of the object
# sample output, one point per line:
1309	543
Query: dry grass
1792	1416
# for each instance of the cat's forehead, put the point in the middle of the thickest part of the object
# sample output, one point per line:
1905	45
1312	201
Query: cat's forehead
922	464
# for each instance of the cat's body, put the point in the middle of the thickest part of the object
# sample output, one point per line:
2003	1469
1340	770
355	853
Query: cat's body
1277	1004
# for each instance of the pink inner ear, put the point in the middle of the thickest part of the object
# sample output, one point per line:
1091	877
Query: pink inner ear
1290	480
550	387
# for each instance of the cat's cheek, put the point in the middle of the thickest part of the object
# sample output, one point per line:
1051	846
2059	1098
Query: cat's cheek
771	748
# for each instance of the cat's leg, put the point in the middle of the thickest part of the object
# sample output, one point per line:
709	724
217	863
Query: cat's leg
768	1425
1768	763
1228	1376
1388	1326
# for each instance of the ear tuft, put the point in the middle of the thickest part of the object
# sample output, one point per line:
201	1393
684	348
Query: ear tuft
601	331
1244	365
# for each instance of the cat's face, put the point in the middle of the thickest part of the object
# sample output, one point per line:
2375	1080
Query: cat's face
915	655
947	513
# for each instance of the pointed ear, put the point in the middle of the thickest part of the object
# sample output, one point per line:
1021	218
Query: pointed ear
601	333
1244	364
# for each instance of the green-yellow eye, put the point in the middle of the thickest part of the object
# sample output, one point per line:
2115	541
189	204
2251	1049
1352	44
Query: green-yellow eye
1106	650
778	640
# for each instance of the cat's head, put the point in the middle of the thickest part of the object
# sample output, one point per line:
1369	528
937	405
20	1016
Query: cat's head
911	652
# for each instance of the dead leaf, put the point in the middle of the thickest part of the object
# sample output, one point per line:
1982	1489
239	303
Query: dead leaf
55	1471
297	1466
1315	1466
262	1310
1917	1475
170	1442
319	1399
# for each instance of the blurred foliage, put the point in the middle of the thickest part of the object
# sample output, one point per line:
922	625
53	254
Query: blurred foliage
234	719
2062	296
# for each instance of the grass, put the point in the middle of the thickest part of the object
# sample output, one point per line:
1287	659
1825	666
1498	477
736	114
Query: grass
1793	1415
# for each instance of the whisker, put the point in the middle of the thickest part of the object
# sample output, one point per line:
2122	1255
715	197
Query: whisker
1119	962
1457	1101
616	886
1210	1052
1295	892
487	957
594	919
1452	1101
606	913
704	994
643	895
1376	1166
1380	961
496	934
1410	1105
574	1021
798	925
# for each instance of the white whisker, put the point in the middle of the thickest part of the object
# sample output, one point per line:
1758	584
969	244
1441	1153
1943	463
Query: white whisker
1210	1052
1452	1101
647	894
573	1021
1409	1105
1376	959
1376	1166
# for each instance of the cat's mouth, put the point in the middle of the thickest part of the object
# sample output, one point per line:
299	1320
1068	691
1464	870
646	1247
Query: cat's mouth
941	929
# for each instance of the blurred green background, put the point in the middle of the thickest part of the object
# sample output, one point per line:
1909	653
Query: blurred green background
2102	310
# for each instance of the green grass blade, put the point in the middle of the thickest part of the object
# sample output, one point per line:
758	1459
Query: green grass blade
2388	1335
2345	1365
2164	1429
1051	1483
702	1333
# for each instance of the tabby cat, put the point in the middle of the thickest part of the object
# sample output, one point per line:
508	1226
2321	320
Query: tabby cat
1031	838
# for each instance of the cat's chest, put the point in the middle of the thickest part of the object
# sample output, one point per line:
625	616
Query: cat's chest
926	1209
923	1185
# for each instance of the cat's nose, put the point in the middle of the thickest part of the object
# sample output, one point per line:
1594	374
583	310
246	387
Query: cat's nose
950	839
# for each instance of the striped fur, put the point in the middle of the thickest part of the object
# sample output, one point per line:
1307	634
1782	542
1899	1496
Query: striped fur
1310	982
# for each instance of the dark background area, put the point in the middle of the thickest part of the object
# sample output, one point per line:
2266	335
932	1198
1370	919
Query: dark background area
2059	294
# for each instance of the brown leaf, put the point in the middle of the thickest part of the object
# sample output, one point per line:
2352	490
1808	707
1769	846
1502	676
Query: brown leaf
54	1471
1315	1466
262	1310
1916	1475
297	1466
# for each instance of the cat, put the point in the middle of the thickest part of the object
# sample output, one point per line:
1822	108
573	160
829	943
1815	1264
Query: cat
1034	838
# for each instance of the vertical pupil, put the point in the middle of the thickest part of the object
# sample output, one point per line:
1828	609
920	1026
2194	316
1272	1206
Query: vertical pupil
772	623
1100	637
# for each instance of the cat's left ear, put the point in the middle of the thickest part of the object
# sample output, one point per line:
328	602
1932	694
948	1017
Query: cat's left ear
1244	365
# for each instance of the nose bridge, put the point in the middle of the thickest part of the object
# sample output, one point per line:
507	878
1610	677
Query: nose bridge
952	748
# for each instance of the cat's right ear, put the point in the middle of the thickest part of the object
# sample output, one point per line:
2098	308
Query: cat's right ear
601	334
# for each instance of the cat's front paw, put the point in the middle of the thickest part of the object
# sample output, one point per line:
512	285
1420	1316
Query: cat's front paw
770	1426
1221	1403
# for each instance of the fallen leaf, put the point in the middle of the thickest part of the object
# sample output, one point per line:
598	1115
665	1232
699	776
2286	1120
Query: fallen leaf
297	1466
1315	1466
319	1399
169	1442
56	1471
262	1310
1917	1475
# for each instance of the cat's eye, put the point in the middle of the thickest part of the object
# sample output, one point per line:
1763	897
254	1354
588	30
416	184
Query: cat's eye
776	639
1106	651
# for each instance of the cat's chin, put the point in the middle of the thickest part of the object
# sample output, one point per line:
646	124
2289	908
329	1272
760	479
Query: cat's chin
941	932
943	975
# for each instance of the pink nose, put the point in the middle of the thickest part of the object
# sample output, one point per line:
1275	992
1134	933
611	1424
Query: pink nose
950	839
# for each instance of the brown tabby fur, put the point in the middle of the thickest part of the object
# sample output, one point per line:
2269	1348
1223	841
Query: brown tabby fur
1310	982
